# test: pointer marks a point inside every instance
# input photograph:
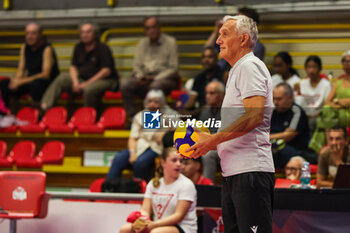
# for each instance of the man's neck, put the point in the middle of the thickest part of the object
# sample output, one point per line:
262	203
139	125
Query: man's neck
90	46
239	55
37	45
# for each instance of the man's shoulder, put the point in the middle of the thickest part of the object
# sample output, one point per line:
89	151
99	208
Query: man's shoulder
297	108
325	152
185	182
168	37
102	46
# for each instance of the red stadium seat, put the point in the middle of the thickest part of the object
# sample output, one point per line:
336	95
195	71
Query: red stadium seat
96	185
52	152
23	153
82	116
313	168
22	196
112	118
31	115
53	117
175	94
66	96
5	161
111	95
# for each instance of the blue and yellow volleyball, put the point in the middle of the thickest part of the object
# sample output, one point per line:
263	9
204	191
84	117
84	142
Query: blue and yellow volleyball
185	137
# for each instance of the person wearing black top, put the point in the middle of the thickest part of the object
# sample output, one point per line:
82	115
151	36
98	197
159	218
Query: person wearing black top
37	67
289	123
210	73
92	71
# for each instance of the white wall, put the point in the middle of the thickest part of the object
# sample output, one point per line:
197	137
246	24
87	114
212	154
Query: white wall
76	217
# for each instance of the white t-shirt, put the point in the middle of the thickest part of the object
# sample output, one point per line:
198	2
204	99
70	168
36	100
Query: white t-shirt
252	151
312	99
165	198
277	79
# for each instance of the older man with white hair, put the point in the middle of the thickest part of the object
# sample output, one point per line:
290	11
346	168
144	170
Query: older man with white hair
293	168
243	142
144	144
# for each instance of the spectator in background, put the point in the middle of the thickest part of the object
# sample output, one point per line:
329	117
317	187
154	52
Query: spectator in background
284	72
214	93
345	60
170	198
313	90
293	168
335	154
92	71
192	169
155	66
37	67
289	123
335	111
144	144
211	72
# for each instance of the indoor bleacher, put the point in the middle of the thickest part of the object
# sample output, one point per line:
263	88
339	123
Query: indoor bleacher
74	145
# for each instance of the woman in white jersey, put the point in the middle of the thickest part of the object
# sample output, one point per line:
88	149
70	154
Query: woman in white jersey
170	198
284	71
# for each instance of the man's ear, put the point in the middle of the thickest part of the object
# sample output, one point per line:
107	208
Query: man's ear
244	39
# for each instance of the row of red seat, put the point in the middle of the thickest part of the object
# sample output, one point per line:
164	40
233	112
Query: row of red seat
54	120
114	95
23	154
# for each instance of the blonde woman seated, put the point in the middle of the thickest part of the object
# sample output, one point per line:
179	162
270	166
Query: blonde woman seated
170	198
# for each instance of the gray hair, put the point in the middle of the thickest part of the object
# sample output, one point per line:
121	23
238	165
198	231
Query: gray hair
246	25
95	26
288	91
298	158
221	86
40	30
345	54
155	93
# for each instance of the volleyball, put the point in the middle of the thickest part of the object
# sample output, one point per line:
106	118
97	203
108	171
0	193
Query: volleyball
185	137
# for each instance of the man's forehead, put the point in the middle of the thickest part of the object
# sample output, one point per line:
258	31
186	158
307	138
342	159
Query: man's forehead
32	27
336	133
229	24
86	26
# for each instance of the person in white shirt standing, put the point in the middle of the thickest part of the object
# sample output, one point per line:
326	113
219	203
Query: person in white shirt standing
243	142
313	90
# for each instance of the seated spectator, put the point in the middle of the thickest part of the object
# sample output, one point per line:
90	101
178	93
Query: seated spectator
155	66
37	67
192	169
91	73
215	92
284	72
335	154
313	91
289	123
144	145
293	168
170	198
336	110
211	72
345	60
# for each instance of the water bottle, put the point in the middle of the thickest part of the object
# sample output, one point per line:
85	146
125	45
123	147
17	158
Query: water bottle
305	175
